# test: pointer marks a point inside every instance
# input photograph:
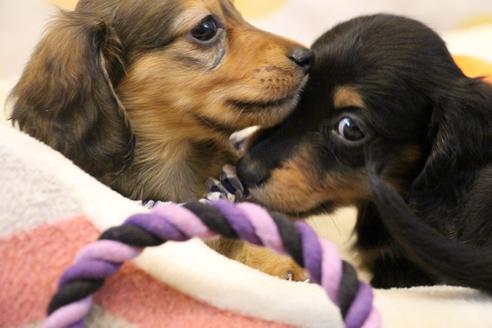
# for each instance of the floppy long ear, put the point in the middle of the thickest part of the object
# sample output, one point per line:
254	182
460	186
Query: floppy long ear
459	138
66	97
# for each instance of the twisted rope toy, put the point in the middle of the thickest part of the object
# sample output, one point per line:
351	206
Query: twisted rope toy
246	221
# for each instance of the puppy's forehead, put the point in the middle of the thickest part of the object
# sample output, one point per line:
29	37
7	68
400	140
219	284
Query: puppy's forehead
195	10
190	16
347	96
229	10
212	5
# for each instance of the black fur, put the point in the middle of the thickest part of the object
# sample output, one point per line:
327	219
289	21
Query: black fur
434	224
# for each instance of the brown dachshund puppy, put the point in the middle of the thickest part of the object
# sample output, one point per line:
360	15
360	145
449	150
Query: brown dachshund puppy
388	123
144	94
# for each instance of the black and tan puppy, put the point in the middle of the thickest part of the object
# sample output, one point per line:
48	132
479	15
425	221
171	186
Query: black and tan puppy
144	94
390	124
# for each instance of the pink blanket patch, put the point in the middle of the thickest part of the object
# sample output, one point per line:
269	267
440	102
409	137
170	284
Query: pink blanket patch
32	263
136	297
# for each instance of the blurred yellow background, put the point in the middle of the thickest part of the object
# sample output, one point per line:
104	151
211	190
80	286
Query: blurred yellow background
22	21
65	4
251	8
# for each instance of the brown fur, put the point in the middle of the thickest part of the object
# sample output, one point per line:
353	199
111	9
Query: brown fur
122	89
292	185
299	189
347	96
295	188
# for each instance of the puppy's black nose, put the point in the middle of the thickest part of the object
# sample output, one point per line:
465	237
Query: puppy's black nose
252	173
302	57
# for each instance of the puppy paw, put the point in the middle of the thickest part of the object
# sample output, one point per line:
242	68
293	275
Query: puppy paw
261	259
273	264
285	269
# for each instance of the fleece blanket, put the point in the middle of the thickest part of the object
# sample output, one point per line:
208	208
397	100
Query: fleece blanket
49	209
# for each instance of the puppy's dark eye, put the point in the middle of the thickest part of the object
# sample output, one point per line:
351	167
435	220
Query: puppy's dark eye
349	130
206	30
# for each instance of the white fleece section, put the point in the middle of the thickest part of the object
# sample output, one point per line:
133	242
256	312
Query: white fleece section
208	276
205	275
434	307
95	199
98	318
30	195
190	267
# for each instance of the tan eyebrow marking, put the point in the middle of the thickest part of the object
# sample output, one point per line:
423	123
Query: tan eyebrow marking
229	10
347	96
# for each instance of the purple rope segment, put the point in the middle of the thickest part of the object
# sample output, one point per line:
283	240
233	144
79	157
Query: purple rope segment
374	320
265	228
108	250
70	315
170	222
359	311
311	250
79	324
238	220
185	220
89	269
154	223
331	270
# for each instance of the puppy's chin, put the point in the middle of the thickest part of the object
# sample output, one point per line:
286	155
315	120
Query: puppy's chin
273	115
293	206
253	116
267	112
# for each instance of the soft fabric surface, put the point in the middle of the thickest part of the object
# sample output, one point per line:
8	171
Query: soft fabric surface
103	258
49	209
